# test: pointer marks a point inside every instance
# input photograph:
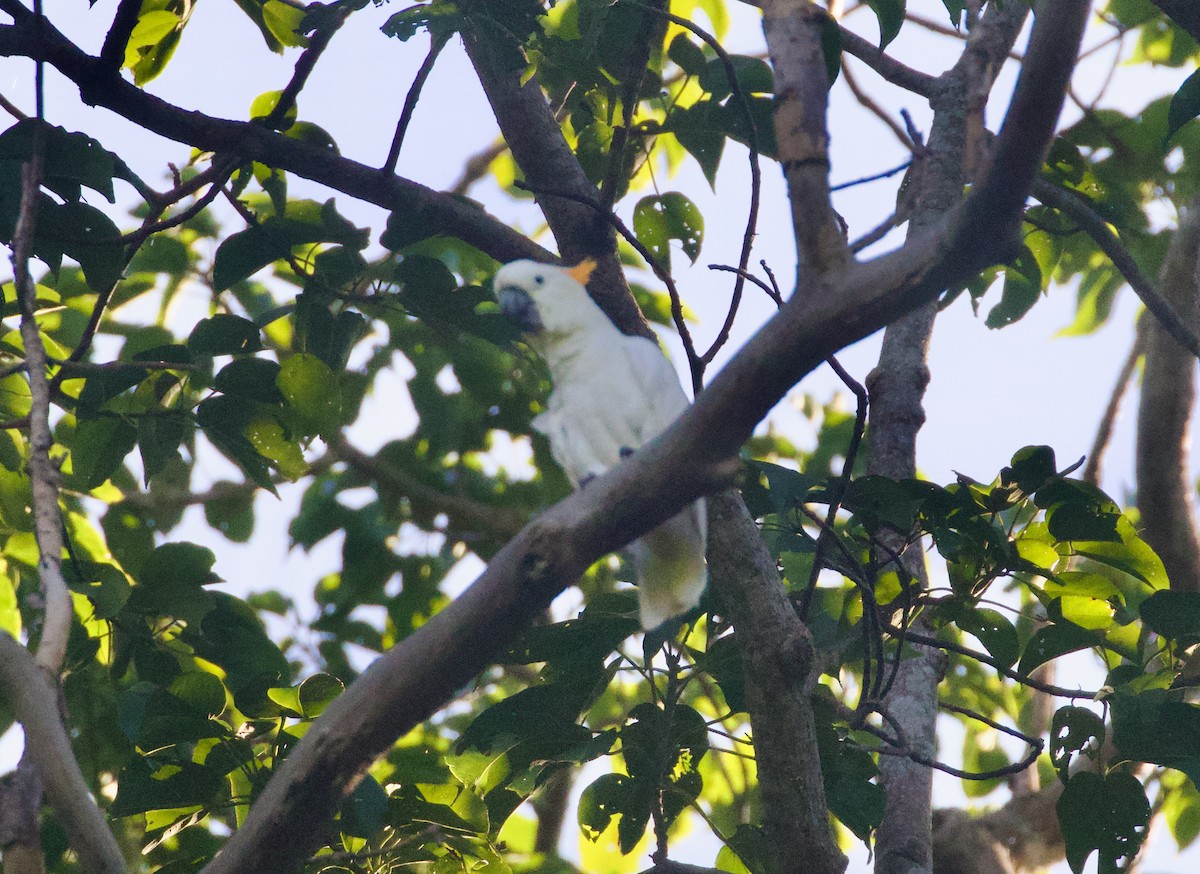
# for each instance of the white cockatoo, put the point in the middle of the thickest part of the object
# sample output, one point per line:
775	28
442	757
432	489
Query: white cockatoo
612	393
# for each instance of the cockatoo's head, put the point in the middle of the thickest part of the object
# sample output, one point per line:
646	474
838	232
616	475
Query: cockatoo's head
542	297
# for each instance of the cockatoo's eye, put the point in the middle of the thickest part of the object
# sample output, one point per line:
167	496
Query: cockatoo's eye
539	279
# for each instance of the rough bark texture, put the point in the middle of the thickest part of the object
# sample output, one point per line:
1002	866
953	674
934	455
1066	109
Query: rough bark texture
777	654
1166	495
904	843
537	144
34	698
793	29
694	457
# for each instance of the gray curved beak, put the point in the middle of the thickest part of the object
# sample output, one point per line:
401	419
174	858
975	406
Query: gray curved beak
517	305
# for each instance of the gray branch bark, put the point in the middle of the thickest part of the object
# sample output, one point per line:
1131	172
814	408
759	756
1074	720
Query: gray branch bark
34	698
1165	493
904	840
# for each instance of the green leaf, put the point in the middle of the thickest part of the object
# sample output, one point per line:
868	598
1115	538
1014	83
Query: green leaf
316	693
611	795
225	334
1106	814
890	14
1031	468
363	813
277	21
85	234
306	222
232	513
688	56
171	579
955	8
998	635
746	852
1174	615
1150	727
1023	283
754	76
10	612
250	378
72	158
701	129
143	786
311	389
159	438
1051	641
1074	731
98	448
658	219
1185	105
15	398
202	691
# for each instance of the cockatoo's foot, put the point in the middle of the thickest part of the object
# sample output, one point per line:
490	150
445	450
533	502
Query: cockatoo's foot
625	452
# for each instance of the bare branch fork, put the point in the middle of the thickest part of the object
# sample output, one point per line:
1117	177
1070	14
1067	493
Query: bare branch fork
693	457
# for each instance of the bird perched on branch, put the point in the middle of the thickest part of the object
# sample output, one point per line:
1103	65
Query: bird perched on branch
612	393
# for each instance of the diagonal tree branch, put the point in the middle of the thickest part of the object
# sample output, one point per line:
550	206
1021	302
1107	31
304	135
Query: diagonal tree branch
34	698
415	678
1185	13
537	144
434	211
1164	312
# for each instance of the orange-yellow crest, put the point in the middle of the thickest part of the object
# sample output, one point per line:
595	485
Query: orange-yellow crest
582	271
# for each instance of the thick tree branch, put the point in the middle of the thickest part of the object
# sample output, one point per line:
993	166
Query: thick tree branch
897	388
43	473
777	654
794	33
1165	492
536	141
1185	13
34	698
434	211
415	678
112	53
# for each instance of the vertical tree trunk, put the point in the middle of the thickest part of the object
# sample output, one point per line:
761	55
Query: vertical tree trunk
1165	490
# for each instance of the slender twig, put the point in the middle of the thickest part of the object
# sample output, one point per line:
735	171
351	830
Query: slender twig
868	103
874	177
837	491
913	755
317	44
876	234
476	167
888	67
11	108
437	42
219	174
1108	242
772	293
1023	679
743	103
991	723
1095	461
